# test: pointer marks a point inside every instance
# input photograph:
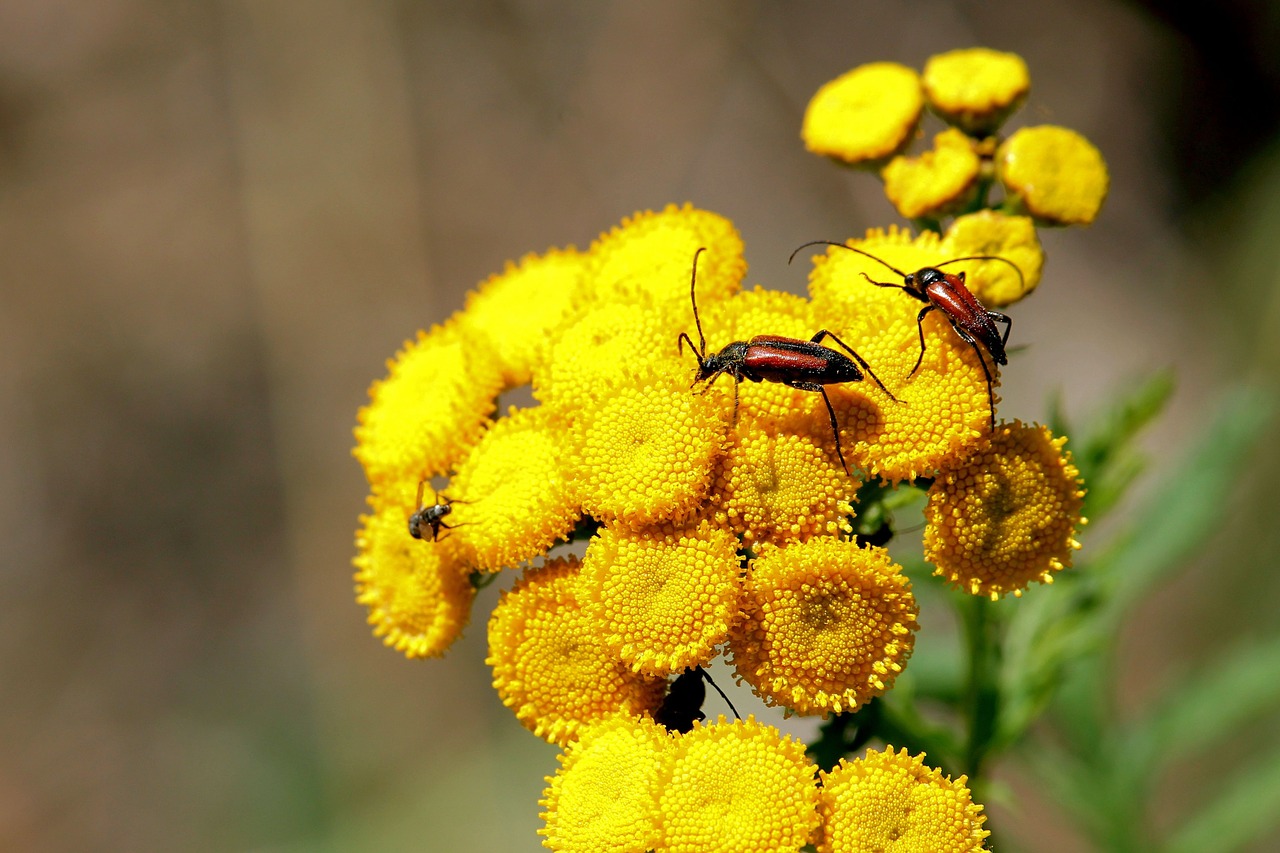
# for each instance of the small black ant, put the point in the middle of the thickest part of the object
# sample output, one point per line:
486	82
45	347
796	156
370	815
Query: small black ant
431	516
683	703
796	363
972	320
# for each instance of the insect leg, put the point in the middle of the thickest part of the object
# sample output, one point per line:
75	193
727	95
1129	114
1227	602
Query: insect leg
920	328
991	395
1002	318
817	339
882	283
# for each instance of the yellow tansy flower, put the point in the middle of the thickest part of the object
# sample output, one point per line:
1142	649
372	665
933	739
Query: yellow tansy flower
418	593
826	625
1006	515
988	232
1055	174
431	407
600	349
649	259
864	115
737	787
663	597
549	665
976	88
891	802
780	488
512	499
516	308
944	407
604	796
645	453
937	182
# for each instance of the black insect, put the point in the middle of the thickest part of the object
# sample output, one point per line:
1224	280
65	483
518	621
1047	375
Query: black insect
793	362
947	292
682	706
431	516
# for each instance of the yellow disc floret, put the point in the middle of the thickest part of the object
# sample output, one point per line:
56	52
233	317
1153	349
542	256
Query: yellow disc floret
417	591
826	625
937	182
645	453
865	115
782	488
1007	515
648	259
516	308
431	407
976	88
1013	238
549	665
605	794
891	802
663	597
1055	174
512	501
737	787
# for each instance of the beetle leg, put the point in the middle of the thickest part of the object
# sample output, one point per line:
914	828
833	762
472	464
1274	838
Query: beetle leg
991	395
1002	318
825	334
883	283
920	328
835	430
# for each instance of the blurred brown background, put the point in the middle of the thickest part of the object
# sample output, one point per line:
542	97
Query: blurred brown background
218	219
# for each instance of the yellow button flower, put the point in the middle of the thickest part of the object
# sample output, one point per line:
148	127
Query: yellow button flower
549	665
430	409
825	626
516	308
976	88
417	591
649	257
937	182
663	597
512	501
645	454
891	802
865	115
1054	173
604	796
1006	515
944	407
988	232
737	787
778	488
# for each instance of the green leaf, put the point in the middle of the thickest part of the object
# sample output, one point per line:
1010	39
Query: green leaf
1243	811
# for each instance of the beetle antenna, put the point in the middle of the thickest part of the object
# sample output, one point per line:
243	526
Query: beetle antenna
693	297
706	675
851	249
1016	268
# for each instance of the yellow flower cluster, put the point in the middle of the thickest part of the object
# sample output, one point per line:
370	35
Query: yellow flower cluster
869	116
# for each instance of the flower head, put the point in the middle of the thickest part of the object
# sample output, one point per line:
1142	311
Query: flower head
892	802
418	593
663	597
1006	515
513	501
865	115
398	437
645	453
549	665
976	88
604	796
734	787
543	286
997	235
938	181
826	625
1054	173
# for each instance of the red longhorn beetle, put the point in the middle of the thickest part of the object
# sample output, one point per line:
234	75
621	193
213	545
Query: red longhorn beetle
682	705
431	516
796	363
947	292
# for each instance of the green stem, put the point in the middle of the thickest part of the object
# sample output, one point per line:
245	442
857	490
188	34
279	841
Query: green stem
982	699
